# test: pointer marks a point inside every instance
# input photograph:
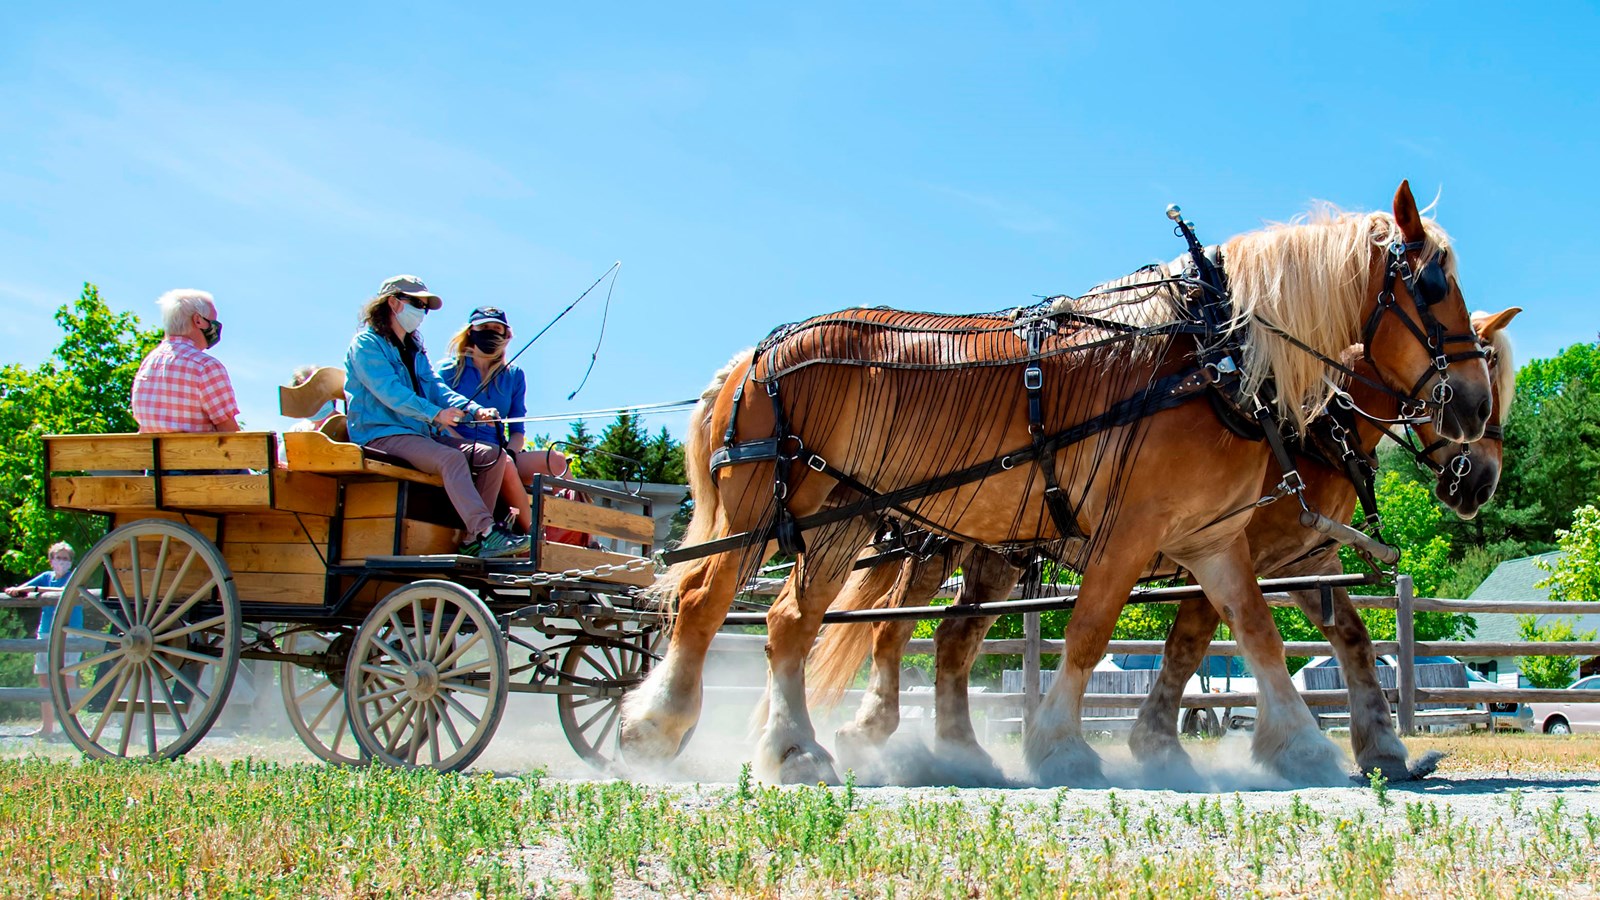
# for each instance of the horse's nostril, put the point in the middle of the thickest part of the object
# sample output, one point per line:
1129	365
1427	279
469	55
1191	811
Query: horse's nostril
1484	408
1484	493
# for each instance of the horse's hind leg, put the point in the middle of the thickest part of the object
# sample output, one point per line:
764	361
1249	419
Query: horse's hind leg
657	715
1154	739
986	577
788	751
1287	739
1372	732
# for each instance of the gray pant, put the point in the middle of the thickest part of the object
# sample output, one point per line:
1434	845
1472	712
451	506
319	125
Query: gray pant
460	463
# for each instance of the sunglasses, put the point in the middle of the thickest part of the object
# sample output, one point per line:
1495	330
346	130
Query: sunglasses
417	302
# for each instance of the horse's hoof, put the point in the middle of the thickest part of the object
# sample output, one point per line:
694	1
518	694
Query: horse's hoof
645	743
856	748
1073	765
1426	764
1309	760
968	765
807	766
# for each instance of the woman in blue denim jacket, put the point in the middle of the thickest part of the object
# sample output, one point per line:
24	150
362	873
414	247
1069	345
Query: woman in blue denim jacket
399	407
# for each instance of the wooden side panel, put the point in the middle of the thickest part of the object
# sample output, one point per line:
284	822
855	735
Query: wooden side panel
217	491
370	499
312	451
276	528
563	513
206	525
99	452
278	587
560	557
375	537
103	493
303	492
240	450
288	559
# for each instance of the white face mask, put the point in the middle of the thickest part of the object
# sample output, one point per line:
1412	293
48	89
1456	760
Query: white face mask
410	318
60	567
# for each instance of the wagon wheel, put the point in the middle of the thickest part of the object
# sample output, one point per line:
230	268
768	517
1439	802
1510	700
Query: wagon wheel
608	669
313	695
166	619
1202	723
427	677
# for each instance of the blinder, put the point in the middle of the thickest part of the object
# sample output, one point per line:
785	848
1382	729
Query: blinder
1427	287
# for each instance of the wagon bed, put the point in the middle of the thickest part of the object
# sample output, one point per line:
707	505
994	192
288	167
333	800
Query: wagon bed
341	566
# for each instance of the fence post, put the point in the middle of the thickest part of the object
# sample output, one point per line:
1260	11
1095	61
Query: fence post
1406	634
1032	643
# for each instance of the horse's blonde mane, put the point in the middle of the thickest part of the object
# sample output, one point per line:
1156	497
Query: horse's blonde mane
1309	278
1505	372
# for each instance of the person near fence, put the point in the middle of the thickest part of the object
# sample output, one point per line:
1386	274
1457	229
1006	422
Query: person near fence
476	367
50	583
179	386
398	406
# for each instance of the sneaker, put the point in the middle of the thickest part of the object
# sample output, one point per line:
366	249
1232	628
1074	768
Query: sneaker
496	544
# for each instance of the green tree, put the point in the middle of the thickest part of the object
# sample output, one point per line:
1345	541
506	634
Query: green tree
84	388
1576	575
1476	564
577	444
622	447
1411	521
663	460
1549	671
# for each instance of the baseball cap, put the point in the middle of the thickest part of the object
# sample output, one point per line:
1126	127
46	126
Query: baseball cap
488	314
411	286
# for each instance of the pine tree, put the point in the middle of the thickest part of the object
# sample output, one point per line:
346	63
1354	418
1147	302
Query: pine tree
576	446
664	460
624	448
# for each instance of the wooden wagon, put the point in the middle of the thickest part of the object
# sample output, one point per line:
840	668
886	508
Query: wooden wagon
341	567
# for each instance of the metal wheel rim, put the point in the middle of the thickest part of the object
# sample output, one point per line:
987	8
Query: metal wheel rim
426	682
158	655
315	703
592	722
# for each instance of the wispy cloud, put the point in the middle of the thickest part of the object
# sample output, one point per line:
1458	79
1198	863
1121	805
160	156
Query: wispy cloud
1007	214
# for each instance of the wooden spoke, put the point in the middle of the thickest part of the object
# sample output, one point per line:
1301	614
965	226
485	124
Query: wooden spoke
187	605
413	670
590	720
177	581
160	569
138	578
172	704
187	630
117	622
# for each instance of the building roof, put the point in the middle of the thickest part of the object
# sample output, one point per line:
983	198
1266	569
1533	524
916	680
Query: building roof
1514	579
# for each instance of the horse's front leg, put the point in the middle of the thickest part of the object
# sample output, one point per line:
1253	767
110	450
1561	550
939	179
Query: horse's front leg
1287	740
1372	735
787	751
1154	739
1054	745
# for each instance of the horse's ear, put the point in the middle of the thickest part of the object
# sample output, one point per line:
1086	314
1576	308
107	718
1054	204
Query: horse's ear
1486	324
1406	215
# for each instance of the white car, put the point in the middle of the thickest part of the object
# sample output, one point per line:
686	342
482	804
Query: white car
1568	718
1512	715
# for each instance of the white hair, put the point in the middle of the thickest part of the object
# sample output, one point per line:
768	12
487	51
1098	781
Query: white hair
180	306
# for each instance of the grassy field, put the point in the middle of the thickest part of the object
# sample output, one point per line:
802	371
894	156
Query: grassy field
211	827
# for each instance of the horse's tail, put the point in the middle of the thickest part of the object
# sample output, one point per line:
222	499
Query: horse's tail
843	645
697	446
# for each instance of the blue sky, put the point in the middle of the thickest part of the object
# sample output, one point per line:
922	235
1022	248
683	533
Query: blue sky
751	165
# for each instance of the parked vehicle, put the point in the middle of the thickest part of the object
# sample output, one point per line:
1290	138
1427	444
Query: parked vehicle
1502	715
1569	718
1217	674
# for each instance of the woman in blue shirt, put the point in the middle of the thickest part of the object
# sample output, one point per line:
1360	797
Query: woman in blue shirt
61	557
477	354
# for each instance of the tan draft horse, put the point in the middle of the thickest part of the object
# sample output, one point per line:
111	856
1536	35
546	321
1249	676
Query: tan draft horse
1466	479
1172	478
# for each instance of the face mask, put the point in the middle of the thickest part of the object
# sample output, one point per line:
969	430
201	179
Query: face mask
212	333
486	341
410	318
60	567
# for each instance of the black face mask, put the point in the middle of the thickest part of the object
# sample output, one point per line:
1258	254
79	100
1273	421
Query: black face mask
486	341
212	333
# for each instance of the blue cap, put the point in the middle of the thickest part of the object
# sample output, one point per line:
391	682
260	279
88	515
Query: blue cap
488	314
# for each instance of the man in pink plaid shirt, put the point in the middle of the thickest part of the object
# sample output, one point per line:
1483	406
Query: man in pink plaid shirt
179	386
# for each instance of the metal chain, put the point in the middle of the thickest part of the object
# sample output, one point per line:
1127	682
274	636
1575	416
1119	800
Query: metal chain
633	565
